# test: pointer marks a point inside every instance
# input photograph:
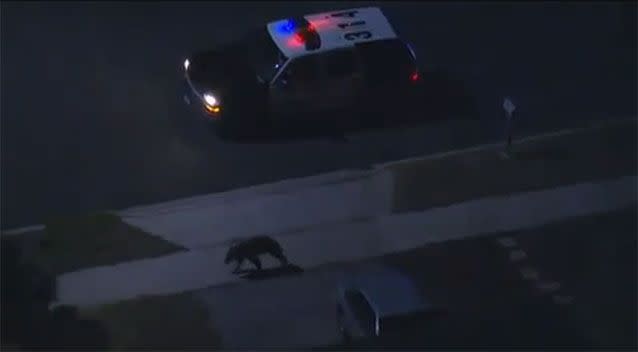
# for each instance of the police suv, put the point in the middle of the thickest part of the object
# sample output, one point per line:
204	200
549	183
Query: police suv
327	67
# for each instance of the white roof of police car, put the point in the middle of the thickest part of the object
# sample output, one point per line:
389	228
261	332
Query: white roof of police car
332	36
389	291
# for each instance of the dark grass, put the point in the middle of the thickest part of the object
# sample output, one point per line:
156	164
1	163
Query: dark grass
549	162
172	322
75	243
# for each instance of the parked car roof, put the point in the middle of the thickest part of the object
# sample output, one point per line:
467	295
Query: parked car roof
389	291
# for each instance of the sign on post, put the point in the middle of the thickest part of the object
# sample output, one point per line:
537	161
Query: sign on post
509	108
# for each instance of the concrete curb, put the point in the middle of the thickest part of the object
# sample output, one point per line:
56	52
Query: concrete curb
488	146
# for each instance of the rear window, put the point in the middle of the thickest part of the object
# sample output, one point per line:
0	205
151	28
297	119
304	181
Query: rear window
386	60
339	63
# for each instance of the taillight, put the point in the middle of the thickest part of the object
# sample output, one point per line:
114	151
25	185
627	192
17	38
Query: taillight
414	76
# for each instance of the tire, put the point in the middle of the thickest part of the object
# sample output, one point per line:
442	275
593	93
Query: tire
344	336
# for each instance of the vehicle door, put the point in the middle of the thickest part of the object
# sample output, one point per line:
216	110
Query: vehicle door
294	90
360	315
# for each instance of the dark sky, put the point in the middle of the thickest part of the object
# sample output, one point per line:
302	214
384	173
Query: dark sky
91	91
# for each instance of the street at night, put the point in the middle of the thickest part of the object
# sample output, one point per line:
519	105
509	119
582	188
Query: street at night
133	216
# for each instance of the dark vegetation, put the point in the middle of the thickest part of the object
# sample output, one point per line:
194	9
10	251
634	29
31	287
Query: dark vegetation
27	321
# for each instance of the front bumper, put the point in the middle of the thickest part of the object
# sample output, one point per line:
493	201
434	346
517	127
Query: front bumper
197	104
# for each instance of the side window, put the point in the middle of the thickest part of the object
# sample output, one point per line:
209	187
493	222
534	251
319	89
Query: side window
362	310
339	63
302	71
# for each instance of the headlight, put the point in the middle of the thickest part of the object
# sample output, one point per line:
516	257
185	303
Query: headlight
210	99
186	64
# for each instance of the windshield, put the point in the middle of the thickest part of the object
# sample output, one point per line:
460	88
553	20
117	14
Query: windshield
262	53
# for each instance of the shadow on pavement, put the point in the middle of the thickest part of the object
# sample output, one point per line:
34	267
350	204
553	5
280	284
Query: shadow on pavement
255	274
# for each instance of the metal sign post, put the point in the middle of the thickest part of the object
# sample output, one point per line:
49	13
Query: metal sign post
509	108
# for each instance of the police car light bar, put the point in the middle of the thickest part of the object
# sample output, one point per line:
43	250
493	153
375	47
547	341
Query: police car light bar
305	35
294	24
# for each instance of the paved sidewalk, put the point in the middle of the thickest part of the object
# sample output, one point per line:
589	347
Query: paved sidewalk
216	220
357	239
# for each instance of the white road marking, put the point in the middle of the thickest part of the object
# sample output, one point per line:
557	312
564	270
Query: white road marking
530	273
517	255
507	242
547	287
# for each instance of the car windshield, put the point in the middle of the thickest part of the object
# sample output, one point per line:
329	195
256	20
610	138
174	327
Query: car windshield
262	53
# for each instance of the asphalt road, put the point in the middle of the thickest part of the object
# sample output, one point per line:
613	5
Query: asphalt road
90	93
575	287
594	261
